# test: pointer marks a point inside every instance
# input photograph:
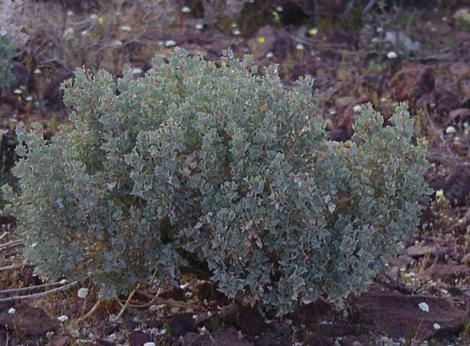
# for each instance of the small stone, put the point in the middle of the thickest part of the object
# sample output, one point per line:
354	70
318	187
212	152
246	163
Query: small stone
450	130
116	44
136	70
82	292
170	43
357	108
392	55
63	318
423	306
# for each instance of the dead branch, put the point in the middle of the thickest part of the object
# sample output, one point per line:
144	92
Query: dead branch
14	267
30	288
38	295
11	244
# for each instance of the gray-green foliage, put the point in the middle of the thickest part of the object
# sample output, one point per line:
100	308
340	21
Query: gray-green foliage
7	53
220	168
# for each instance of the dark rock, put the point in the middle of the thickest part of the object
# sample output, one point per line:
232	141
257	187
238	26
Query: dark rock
194	339
248	320
268	39
312	313
28	321
446	101
60	341
20	75
412	82
449	271
100	342
273	340
139	338
397	315
230	337
457	185
180	324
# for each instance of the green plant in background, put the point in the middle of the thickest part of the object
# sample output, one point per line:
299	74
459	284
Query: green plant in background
7	53
220	169
7	157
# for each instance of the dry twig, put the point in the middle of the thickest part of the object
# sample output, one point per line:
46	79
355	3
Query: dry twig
39	295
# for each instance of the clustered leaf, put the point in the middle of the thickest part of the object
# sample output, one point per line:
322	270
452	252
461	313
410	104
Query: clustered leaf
215	169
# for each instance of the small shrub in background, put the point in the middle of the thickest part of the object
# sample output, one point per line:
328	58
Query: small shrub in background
220	169
7	53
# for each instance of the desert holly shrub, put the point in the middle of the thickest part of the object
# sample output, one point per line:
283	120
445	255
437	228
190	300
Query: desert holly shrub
215	169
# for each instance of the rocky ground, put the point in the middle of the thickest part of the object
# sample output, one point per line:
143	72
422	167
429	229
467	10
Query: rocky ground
420	55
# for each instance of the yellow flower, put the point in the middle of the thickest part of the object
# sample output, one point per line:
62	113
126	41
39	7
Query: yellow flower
100	21
313	31
439	194
261	39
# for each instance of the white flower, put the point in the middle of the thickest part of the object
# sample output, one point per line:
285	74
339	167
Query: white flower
185	9
29	98
93	16
383	99
69	13
82	292
450	130
11	311
269	55
234	25
423	306
199	26
170	43
299	46
236	32
126	28
392	55
357	108
84	33
436	326
63	318
279	9
380	29
37	71
18	91
149	344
